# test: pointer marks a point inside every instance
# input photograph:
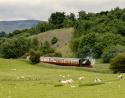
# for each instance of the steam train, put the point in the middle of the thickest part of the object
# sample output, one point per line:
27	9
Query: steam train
67	61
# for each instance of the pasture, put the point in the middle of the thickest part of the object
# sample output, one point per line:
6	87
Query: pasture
20	79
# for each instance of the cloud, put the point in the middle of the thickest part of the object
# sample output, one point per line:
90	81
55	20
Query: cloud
41	9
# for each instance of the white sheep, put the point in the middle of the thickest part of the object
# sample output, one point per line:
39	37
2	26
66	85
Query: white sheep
120	76
13	69
97	80
70	81
81	78
22	77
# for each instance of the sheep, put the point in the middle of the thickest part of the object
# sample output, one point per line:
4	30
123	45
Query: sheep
81	78
70	81
120	76
13	69
22	77
97	80
63	82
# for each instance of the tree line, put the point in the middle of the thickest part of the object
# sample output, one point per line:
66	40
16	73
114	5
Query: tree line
101	35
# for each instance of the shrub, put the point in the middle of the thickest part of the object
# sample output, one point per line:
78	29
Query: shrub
14	48
111	52
34	56
46	48
118	63
54	40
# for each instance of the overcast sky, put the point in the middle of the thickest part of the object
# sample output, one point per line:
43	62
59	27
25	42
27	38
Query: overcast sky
41	9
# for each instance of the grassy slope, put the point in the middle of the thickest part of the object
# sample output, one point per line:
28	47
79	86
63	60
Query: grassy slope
39	82
64	37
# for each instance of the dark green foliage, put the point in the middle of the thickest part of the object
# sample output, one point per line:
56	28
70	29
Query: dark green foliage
54	40
14	48
82	15
108	28
34	56
69	20
34	43
57	19
46	48
3	34
118	63
43	26
111	51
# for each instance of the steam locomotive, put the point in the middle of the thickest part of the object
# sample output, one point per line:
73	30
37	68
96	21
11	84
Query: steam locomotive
67	61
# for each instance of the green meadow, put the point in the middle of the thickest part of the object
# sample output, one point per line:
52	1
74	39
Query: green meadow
20	79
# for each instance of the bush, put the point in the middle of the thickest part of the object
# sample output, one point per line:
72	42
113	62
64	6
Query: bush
118	63
46	48
54	40
14	48
111	52
34	56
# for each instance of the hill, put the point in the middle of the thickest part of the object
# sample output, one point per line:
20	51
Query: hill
10	26
64	37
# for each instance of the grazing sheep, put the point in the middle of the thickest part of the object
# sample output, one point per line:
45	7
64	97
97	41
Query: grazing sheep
120	76
70	81
22	77
81	78
13	69
64	82
97	80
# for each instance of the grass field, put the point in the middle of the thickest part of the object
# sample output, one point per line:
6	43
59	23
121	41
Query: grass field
20	79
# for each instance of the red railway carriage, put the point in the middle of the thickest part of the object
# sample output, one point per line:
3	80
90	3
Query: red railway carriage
66	61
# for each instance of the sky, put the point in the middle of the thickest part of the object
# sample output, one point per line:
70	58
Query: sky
42	9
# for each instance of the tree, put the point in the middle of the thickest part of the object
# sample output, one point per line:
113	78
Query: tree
57	19
34	43
72	17
14	48
111	51
2	34
70	20
82	15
